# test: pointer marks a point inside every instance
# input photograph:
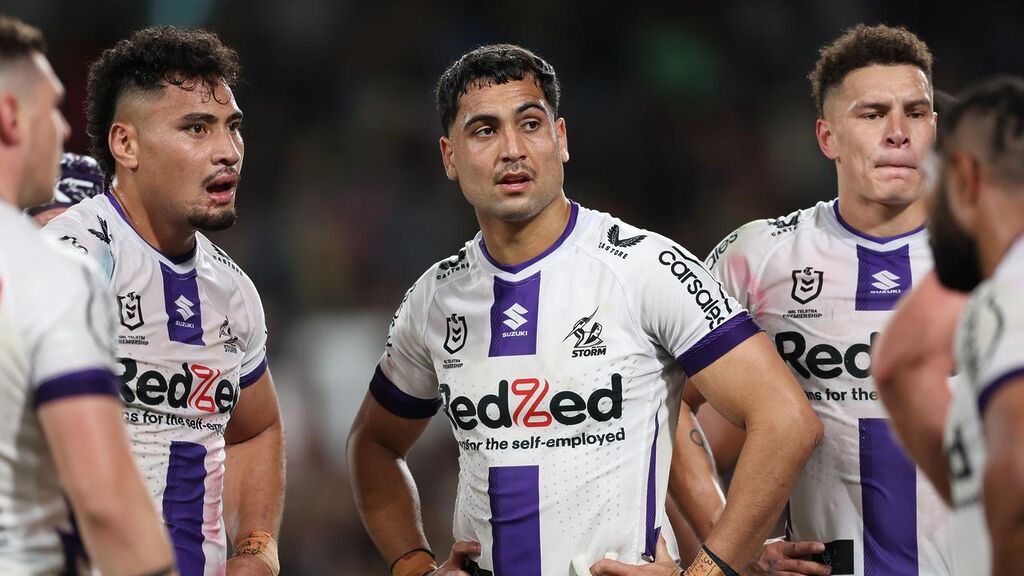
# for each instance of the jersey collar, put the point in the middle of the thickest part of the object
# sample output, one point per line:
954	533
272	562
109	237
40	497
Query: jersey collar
569	227
862	235
178	260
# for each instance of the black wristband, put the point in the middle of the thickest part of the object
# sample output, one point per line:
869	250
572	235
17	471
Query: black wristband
721	563
392	567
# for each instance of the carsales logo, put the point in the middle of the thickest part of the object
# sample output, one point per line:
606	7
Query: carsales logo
527	406
194	386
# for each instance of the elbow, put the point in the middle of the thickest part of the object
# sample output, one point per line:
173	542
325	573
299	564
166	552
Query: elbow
806	432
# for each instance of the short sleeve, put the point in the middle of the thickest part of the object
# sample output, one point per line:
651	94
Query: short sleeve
69	322
689	312
405	382
254	360
90	237
992	353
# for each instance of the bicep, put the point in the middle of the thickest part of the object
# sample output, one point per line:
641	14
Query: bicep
1004	469
256	411
376	424
750	378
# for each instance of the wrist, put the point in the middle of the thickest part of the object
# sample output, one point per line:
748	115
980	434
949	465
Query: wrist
416	562
261	545
708	563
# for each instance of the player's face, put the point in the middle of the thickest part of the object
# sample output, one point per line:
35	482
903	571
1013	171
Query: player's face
506	150
45	132
879	125
190	153
957	257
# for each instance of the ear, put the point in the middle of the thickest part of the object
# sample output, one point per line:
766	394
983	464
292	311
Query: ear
563	139
826	138
447	158
964	189
10	125
124	144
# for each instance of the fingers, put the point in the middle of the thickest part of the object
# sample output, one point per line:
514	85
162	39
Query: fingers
610	568
462	550
797	549
661	554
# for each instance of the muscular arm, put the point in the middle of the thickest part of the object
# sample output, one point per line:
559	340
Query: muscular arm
385	491
911	364
753	389
119	524
254	477
1004	476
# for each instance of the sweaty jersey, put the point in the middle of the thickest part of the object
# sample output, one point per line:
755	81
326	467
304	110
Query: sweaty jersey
561	379
990	353
823	291
55	342
190	335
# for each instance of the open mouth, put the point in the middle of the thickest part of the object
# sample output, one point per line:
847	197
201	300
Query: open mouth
222	187
514	181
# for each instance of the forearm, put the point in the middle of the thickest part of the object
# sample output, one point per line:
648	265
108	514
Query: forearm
693	482
1004	501
773	455
386	497
255	483
917	399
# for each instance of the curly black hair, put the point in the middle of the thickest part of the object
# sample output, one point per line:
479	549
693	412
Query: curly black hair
492	64
996	107
18	39
147	61
862	46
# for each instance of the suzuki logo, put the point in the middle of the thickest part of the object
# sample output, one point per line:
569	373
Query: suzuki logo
885	280
185	307
515	316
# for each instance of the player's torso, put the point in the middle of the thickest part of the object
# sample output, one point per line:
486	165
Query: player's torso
823	297
553	394
180	365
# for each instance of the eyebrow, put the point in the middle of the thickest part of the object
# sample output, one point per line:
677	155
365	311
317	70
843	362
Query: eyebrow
210	118
492	118
874	105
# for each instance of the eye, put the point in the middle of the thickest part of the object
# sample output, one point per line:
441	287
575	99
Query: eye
483	131
235	127
916	115
871	116
196	128
531	125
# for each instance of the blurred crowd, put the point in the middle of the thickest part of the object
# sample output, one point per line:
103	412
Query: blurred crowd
688	119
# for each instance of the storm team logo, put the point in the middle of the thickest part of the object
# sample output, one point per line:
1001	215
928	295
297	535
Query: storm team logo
588	337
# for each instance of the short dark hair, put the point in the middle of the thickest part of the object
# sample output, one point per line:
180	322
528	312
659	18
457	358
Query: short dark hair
492	64
1001	100
862	46
147	61
18	39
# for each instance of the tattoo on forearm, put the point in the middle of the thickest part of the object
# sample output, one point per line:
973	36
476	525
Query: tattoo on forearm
697	437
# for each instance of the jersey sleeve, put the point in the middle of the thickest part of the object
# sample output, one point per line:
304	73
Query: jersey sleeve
684	308
69	321
405	382
254	360
994	352
84	233
732	264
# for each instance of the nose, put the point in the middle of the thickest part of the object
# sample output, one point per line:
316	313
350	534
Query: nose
65	128
512	146
897	133
228	150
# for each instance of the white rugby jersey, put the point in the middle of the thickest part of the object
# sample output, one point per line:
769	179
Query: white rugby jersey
990	353
561	378
823	291
55	341
190	335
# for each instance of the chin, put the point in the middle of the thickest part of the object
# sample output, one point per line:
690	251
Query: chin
214	221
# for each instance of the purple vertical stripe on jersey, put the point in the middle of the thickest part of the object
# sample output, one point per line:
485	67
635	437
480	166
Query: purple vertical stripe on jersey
514	317
888	489
514	492
716	343
184	311
652	532
183	505
573	214
91	381
882	277
986	395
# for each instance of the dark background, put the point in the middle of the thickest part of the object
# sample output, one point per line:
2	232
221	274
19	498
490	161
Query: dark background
688	120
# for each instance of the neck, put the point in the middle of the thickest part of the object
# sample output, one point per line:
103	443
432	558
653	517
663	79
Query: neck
158	232
512	243
1003	227
881	220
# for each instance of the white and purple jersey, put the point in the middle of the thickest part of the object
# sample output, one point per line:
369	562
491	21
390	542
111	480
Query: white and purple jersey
56	340
561	378
990	354
190	336
823	291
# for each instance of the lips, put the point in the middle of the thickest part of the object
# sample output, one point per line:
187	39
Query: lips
515	181
221	187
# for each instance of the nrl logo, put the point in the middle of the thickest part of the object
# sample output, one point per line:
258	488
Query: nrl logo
614	240
807	284
455	338
129	308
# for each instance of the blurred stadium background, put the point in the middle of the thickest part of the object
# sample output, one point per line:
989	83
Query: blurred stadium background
689	120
